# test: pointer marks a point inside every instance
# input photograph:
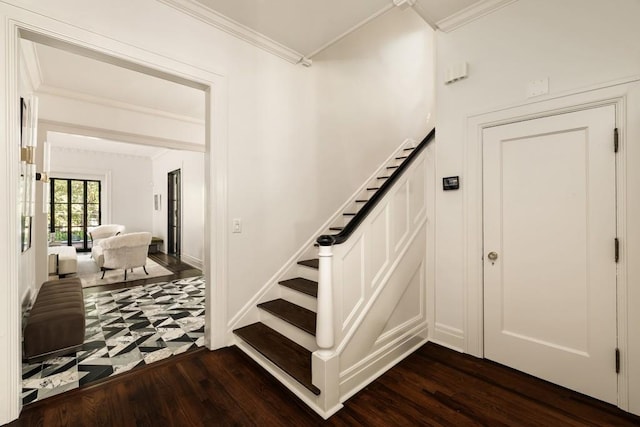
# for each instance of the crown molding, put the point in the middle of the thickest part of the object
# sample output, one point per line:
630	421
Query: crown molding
221	22
111	103
394	3
118	136
64	149
403	4
470	14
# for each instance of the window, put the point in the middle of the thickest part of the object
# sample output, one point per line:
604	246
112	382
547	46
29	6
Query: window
75	206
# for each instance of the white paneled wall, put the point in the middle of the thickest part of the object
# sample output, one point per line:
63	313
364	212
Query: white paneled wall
380	283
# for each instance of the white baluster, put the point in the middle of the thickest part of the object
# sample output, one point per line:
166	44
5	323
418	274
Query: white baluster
324	321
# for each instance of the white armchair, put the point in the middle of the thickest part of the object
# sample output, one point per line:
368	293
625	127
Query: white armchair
103	231
126	251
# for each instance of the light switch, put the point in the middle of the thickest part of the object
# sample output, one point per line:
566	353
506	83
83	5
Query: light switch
237	225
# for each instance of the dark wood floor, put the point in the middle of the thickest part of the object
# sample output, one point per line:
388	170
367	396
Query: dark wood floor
433	386
179	270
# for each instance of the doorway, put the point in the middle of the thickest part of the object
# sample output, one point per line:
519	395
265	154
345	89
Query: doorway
79	41
550	273
174	212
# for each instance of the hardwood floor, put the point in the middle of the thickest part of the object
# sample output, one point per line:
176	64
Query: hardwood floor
179	270
433	386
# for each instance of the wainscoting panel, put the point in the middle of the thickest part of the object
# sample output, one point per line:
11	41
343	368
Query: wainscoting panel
353	277
377	248
400	216
417	199
409	309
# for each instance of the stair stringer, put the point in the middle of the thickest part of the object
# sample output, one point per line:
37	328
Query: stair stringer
250	313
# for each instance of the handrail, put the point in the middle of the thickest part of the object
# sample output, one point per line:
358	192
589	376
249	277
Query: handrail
344	234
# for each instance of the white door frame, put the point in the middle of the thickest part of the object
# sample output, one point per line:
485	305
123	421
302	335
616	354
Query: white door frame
20	23
609	94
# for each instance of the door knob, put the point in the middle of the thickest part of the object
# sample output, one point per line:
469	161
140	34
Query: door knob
492	256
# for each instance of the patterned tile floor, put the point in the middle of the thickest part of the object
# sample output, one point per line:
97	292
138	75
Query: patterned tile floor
125	328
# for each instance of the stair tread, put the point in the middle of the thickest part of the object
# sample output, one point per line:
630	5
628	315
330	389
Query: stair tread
401	157
305	286
292	313
383	177
362	200
313	263
292	358
373	188
336	228
409	149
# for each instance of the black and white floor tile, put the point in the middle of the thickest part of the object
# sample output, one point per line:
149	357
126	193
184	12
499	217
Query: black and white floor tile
125	328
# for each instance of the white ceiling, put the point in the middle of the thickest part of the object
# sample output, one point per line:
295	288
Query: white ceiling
61	71
302	26
308	26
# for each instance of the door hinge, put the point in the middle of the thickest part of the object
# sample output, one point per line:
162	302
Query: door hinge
616	249
617	360
615	140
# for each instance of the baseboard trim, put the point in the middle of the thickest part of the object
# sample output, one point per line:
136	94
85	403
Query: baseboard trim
380	362
193	261
449	337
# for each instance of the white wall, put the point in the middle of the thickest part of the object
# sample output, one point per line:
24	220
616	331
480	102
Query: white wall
576	44
373	90
276	172
128	187
27	282
368	93
191	165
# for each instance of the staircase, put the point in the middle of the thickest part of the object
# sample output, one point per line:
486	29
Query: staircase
283	340
293	358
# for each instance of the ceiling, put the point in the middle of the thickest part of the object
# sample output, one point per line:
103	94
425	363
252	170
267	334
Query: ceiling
309	26
302	28
65	72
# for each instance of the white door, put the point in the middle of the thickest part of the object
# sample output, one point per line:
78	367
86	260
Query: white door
549	198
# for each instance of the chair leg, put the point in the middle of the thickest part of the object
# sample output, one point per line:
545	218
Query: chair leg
125	274
103	271
144	267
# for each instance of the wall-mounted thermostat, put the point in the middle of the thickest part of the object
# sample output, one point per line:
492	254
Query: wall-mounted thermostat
450	183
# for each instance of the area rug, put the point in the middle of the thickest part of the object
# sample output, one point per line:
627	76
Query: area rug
89	273
125	328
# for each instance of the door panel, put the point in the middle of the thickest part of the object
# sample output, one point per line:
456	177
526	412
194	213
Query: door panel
174	210
550	216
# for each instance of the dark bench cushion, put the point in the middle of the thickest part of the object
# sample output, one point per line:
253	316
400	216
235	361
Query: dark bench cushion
56	322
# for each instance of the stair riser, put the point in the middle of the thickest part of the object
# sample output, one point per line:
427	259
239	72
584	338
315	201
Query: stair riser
288	330
298	298
306	273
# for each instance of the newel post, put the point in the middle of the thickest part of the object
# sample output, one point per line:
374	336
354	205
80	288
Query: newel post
324	325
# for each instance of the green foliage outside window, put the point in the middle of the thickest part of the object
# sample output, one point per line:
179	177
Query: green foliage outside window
75	206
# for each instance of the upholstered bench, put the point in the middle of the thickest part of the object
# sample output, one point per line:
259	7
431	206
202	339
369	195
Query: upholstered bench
56	322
